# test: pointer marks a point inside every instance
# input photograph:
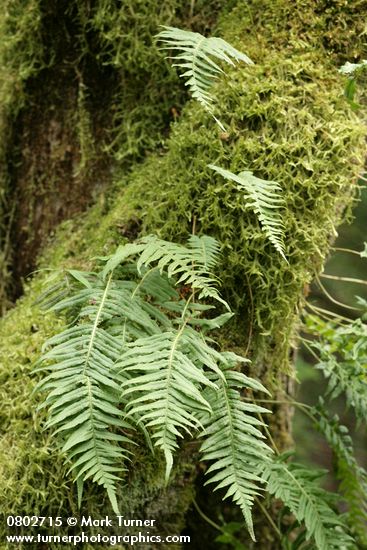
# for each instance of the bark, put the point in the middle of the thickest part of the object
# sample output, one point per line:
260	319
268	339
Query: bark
92	134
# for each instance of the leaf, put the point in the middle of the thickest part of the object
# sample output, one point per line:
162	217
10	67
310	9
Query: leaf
264	198
166	378
352	477
83	399
298	488
189	265
233	441
195	59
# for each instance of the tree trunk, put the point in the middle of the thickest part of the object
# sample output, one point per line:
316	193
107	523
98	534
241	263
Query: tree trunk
97	133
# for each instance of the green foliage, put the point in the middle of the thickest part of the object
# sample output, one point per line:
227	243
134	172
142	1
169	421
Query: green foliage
352	477
228	536
190	265
195	56
287	122
233	439
264	198
138	350
84	396
343	355
298	488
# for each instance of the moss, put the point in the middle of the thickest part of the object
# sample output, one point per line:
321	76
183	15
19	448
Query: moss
81	86
287	121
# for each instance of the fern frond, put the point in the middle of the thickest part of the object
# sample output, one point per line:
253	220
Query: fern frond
233	441
189	265
264	198
83	399
311	505
352	477
195	56
166	379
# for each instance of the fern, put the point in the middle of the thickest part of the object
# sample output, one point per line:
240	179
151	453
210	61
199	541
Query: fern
233	441
189	265
167	377
264	198
195	56
352	477
311	505
83	399
137	356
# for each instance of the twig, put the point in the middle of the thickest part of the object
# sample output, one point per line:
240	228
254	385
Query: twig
328	295
349	250
346	279
205	517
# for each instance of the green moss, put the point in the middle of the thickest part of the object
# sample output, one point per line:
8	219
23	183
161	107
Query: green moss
287	121
89	79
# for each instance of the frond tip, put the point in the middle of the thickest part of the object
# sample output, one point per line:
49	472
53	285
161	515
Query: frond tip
195	57
264	198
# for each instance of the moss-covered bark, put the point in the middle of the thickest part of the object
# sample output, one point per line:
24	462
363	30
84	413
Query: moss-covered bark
287	121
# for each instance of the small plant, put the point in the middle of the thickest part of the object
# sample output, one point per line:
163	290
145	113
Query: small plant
137	357
353	71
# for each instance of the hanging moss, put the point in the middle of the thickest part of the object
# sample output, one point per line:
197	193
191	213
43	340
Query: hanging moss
287	121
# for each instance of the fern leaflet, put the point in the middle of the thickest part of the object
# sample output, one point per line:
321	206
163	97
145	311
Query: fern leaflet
167	377
189	265
343	356
83	399
352	477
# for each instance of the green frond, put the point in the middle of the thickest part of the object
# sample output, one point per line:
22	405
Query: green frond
166	380
195	56
83	398
205	251
189	265
233	442
264	198
311	505
352	477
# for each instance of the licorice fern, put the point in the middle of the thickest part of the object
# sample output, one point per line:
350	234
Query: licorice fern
165	386
137	358
264	198
311	505
83	398
232	439
189	265
195	56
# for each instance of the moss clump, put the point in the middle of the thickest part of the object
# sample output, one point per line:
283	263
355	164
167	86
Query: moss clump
287	121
